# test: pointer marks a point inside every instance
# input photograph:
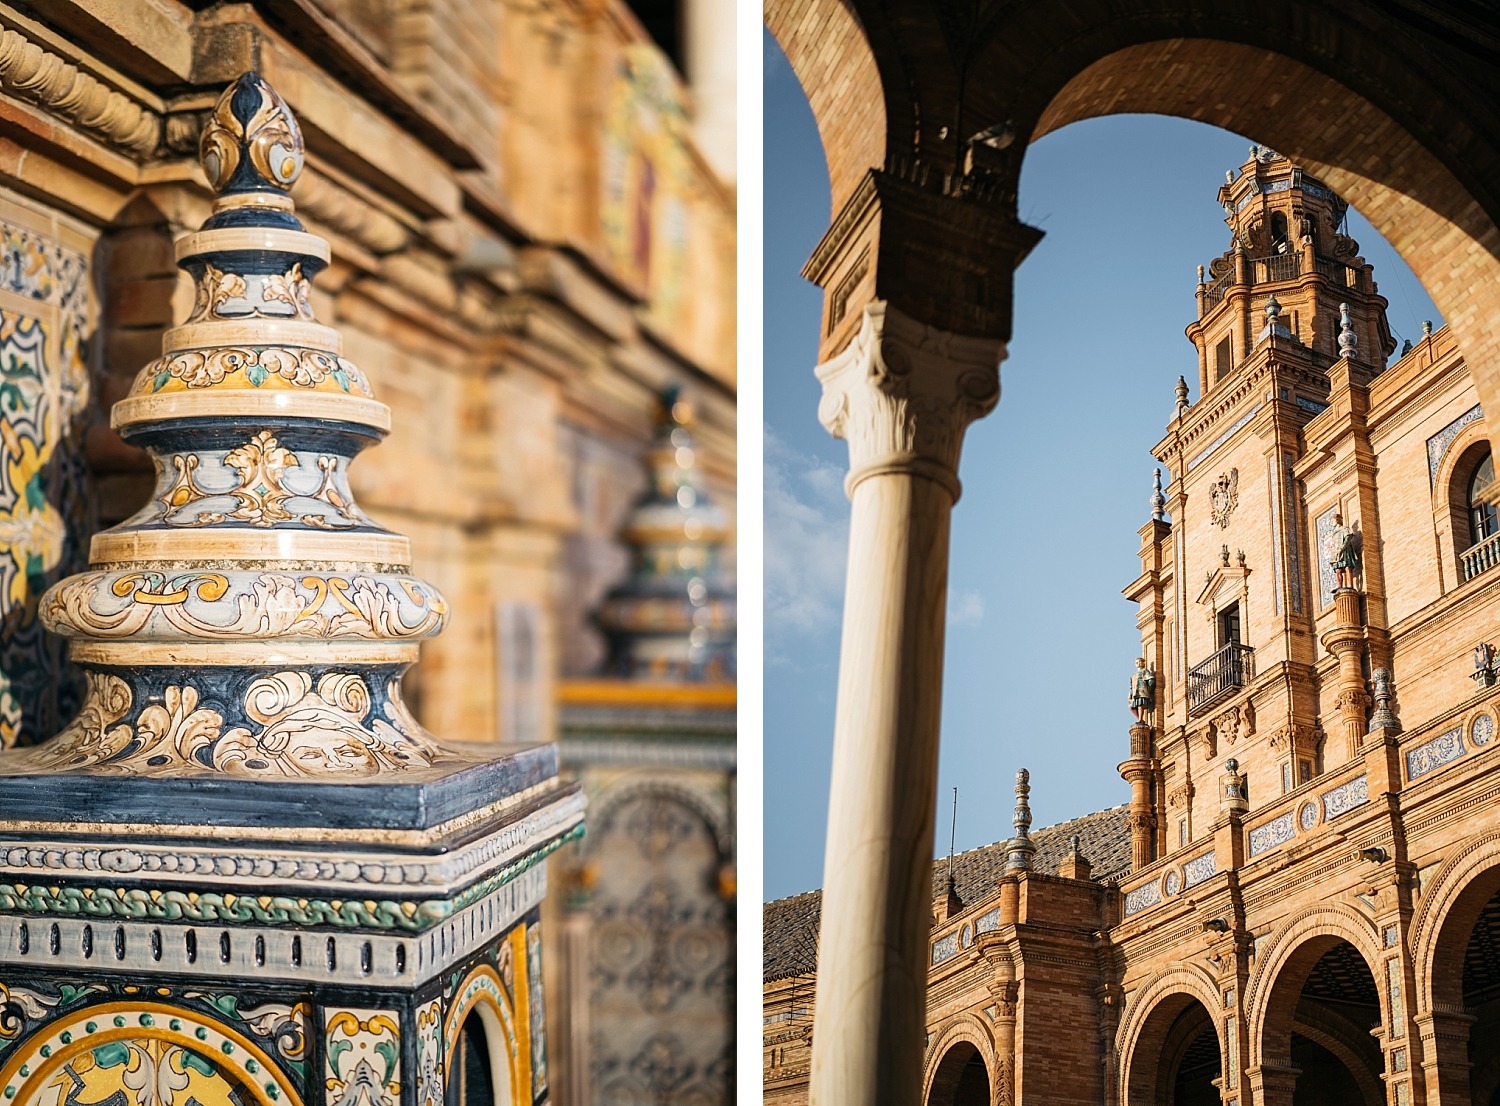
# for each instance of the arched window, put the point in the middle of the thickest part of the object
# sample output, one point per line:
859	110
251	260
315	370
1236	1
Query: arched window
1482	515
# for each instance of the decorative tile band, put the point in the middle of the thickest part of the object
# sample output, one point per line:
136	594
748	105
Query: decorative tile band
988	923
1224	437
1148	894
228	907
1438	444
1198	869
1432	755
1294	565
1278	831
1346	796
945	948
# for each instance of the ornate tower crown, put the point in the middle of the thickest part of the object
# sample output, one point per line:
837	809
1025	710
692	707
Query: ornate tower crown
1288	267
250	620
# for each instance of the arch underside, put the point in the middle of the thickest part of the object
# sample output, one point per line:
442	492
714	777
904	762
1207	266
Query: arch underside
1410	136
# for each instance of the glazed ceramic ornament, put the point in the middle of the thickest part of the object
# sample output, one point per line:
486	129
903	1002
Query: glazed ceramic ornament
675	616
244	872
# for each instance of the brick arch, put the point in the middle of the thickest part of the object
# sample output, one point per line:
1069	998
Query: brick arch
828	51
1417	201
963	1029
1282	967
1142	1037
695	800
1352	1045
1449	907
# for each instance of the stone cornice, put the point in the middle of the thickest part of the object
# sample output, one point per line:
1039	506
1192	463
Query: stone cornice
902	394
37	75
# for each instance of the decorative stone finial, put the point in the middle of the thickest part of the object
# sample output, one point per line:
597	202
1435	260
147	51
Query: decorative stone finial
1182	395
1019	855
1384	693
250	620
1274	326
1158	498
674	618
1228	176
1426	328
1348	340
1232	798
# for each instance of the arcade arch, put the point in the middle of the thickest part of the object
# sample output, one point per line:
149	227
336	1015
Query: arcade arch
961	1078
945	116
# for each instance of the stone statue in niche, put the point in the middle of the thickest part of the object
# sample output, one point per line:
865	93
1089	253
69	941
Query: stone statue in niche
1142	691
1341	551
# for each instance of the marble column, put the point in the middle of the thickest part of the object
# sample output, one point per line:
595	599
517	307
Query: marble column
901	394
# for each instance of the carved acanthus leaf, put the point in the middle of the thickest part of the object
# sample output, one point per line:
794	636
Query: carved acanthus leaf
902	393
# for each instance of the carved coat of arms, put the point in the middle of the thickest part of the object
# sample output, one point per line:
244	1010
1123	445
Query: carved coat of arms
1225	496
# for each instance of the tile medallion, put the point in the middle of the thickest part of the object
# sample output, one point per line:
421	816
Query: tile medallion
1307	816
1278	831
1345	797
1432	755
1172	882
1482	729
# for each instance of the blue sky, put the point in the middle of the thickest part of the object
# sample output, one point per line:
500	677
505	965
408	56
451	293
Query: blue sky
1056	480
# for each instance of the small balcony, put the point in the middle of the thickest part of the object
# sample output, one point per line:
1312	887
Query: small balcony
1480	557
1220	676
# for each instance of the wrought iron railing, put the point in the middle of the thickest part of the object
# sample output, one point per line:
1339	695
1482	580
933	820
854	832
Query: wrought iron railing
1232	667
1480	557
1285	266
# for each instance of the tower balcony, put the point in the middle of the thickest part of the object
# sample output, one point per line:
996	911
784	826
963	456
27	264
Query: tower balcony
1220	676
1280	267
1480	557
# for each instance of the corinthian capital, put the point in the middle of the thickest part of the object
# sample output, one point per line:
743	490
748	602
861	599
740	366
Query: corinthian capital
903	393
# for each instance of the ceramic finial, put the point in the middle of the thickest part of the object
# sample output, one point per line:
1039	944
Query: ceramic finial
251	143
1021	851
1426	328
1347	338
1158	499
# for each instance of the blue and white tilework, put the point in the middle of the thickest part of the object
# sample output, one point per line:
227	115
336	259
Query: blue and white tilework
1148	894
988	923
1438	444
1198	869
1278	831
945	948
1432	755
1345	797
1482	729
1307	817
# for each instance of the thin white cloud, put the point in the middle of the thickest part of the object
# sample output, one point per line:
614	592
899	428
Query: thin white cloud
965	608
806	544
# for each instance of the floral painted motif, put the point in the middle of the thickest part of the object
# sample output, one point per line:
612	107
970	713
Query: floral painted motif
429	1055
1198	869
261	494
222	295
237	605
1345	797
1278	831
262	366
1147	894
362	1062
300	728
254	122
1432	755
